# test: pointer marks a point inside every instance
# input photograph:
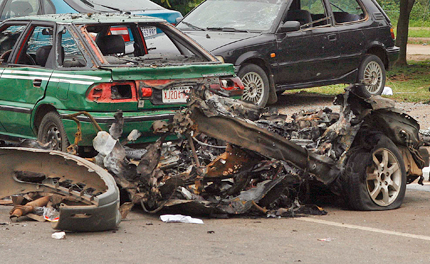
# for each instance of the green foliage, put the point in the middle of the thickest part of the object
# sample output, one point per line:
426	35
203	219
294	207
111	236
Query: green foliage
419	17
183	6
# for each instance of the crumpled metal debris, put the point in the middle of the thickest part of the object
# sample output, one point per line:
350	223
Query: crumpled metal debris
85	195
231	158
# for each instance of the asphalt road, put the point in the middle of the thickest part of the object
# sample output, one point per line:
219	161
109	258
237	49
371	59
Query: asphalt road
341	236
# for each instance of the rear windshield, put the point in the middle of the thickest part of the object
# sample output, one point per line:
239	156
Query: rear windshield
112	5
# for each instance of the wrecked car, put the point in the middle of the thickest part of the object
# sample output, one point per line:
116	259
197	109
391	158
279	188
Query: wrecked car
235	158
81	195
296	43
60	70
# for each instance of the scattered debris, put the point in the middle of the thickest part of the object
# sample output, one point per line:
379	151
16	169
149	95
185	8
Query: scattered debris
324	239
59	235
180	219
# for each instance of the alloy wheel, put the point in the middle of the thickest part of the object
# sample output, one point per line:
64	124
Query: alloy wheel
384	177
254	88
373	77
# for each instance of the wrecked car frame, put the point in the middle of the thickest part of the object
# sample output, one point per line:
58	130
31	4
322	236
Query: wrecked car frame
366	153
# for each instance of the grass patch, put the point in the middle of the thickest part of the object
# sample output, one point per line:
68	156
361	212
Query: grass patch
419	32
409	84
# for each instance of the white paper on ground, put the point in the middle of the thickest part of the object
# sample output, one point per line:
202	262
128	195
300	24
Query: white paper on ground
387	91
180	219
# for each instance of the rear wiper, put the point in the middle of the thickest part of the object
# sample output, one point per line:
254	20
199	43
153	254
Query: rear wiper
192	26
91	4
226	29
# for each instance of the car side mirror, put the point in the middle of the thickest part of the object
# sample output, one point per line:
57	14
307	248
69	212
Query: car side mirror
289	26
178	19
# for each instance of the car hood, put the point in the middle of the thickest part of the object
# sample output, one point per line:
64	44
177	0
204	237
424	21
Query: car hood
212	40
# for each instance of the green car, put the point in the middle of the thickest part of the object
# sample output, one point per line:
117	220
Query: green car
56	65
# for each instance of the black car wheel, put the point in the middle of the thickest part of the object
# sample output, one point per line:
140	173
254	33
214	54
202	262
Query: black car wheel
372	74
256	84
51	129
376	179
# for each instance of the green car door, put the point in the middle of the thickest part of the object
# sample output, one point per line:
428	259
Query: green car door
24	81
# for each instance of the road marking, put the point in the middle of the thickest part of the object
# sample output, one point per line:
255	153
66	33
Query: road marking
324	222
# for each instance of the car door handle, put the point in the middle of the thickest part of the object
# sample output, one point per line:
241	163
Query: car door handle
37	82
331	37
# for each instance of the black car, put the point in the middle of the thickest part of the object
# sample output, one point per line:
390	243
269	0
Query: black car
277	45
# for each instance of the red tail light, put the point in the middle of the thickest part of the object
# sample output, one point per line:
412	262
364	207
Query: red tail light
116	92
145	92
230	86
392	33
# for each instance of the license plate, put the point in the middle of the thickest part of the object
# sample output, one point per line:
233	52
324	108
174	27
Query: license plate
176	94
149	31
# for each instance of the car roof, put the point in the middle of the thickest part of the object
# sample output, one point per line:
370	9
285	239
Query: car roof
89	18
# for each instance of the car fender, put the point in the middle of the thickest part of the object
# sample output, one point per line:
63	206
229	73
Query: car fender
52	102
250	55
377	48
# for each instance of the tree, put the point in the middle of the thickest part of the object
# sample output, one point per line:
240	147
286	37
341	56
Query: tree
403	29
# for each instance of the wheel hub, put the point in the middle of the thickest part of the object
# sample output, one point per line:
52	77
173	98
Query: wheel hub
373	76
384	177
54	137
254	86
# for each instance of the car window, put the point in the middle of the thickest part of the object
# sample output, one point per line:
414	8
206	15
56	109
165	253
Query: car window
231	15
347	10
17	8
112	5
71	56
8	38
128	4
48	7
37	47
151	43
312	13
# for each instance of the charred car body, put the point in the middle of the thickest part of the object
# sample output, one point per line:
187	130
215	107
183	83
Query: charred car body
367	153
53	66
279	45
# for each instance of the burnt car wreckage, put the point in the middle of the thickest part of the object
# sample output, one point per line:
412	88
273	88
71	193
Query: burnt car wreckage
234	158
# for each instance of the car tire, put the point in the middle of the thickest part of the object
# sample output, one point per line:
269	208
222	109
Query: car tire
256	84
372	73
376	179
51	129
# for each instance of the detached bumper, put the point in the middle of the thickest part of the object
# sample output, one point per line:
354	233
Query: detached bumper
95	205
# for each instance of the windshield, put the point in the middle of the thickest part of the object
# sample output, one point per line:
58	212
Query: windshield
240	15
113	5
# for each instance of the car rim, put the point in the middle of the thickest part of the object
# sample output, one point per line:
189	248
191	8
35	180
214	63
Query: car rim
373	77
384	177
53	135
254	88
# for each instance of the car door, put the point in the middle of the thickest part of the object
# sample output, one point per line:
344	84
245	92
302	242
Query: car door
9	36
350	19
24	81
309	54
